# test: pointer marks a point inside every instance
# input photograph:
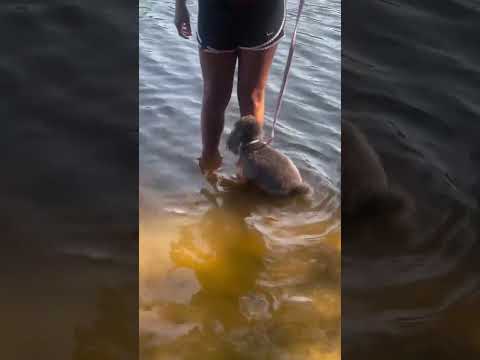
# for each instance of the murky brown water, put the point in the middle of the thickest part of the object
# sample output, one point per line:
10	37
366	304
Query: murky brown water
246	279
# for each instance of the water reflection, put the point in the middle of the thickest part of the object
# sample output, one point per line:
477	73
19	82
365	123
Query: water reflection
226	256
221	288
113	332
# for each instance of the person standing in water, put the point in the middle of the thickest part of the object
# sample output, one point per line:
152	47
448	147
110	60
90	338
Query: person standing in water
246	31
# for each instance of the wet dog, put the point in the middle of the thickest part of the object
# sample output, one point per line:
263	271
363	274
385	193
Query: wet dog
372	209
366	188
261	165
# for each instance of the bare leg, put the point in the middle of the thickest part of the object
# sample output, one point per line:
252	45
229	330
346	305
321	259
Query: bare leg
218	71
253	69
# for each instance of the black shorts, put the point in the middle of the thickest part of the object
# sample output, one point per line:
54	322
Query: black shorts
227	25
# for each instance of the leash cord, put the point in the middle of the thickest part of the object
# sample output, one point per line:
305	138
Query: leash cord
287	70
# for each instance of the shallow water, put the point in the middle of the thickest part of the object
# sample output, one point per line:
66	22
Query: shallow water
69	158
238	277
410	81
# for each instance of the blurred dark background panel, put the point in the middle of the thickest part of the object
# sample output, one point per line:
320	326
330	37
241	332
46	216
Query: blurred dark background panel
69	179
410	179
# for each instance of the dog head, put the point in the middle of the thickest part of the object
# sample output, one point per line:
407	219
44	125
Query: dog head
245	130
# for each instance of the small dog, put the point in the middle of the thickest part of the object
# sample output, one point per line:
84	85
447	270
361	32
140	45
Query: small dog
373	210
261	165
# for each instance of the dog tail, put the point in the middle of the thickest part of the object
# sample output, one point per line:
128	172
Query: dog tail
302	189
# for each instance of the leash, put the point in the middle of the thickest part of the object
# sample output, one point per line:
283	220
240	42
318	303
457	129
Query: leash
287	70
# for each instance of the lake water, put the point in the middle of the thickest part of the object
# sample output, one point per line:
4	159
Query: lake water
69	155
410	79
246	278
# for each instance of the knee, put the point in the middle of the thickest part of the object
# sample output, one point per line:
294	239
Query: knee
251	101
216	97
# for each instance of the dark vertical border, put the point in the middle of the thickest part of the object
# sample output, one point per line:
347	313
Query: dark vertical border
69	179
410	179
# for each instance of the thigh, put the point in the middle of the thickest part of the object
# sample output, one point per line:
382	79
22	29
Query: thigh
218	72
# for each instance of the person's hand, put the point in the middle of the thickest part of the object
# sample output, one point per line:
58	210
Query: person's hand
182	20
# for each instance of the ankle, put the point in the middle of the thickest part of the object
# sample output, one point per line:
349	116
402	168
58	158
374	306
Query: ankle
211	154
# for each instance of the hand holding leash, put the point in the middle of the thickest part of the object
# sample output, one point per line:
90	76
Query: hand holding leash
182	19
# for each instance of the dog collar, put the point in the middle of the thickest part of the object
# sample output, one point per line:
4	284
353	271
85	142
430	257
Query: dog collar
252	142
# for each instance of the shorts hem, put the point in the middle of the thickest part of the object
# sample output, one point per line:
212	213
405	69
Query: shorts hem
263	46
209	49
215	51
